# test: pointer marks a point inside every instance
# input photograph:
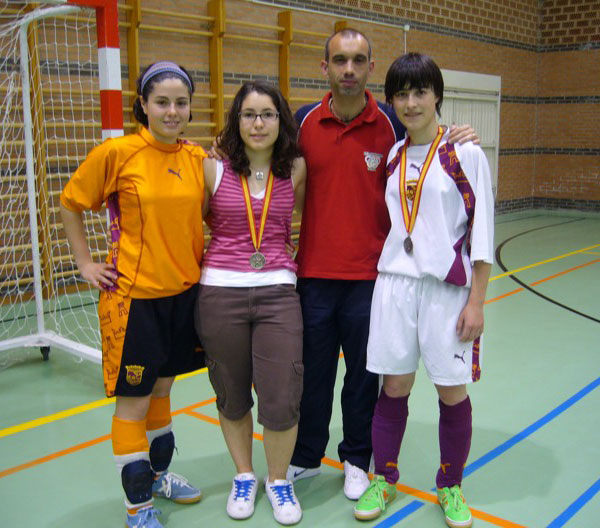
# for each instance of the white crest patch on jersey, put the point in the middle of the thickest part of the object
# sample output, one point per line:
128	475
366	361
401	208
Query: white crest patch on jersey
372	159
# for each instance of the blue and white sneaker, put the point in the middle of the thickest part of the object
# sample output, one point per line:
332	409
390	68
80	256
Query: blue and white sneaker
295	473
286	508
240	503
144	518
176	488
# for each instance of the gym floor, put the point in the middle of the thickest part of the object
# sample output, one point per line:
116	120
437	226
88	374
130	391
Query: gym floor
536	443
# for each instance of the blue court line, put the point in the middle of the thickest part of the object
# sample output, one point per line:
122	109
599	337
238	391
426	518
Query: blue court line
579	503
400	514
496	452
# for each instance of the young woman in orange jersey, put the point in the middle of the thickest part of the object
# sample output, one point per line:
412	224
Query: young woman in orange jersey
152	184
248	311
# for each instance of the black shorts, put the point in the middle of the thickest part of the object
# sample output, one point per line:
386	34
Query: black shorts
144	339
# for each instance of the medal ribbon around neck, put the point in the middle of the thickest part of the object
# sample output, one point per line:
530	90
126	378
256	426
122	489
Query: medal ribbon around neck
411	217
257	238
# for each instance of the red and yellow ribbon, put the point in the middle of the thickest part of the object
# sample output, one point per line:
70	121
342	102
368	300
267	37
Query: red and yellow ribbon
410	217
257	237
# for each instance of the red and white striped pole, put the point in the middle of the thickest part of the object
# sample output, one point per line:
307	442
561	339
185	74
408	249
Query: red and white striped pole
109	64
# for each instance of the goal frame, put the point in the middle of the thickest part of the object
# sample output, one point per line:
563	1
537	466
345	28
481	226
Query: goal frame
109	69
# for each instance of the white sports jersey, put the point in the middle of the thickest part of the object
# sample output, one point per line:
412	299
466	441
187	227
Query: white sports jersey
442	217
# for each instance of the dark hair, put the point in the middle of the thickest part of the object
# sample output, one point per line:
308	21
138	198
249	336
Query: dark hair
285	149
138	111
347	33
414	70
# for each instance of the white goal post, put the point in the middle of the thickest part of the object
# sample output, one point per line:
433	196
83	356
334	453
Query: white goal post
60	95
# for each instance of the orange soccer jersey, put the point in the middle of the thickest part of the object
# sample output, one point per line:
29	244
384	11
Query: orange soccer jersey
155	192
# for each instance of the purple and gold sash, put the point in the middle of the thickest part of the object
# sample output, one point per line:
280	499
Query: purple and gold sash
451	165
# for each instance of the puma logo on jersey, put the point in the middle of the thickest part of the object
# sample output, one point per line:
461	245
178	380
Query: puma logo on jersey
462	358
171	171
418	167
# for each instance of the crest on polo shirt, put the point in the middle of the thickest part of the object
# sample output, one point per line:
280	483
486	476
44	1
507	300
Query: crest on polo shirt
134	374
372	160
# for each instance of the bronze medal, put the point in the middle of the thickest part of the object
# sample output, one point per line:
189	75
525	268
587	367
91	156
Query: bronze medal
408	245
257	260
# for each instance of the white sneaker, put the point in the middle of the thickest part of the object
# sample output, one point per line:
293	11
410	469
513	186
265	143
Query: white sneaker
356	481
240	503
295	473
286	508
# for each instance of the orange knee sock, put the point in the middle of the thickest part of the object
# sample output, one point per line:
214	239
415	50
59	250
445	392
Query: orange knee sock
159	413
160	437
131	454
128	436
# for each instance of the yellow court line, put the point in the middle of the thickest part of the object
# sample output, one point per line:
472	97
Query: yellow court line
99	403
67	413
190	410
19	428
85	445
536	264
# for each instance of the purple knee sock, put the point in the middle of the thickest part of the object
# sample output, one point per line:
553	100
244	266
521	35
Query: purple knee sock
455	430
389	423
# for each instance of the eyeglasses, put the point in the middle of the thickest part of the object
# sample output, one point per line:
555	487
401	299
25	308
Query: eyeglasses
248	117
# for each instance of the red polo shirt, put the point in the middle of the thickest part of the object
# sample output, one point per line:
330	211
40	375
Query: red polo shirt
345	219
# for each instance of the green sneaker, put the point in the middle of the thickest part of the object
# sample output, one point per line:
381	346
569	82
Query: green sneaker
455	508
374	500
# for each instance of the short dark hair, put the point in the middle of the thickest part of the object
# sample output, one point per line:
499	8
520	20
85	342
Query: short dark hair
414	70
286	148
347	33
138	111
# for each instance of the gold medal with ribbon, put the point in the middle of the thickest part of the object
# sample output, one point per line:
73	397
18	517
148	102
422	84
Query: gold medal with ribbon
257	259
410	216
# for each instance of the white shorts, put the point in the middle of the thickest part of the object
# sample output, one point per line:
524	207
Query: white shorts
412	318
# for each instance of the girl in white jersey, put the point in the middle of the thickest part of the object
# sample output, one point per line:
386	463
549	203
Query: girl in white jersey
248	313
429	294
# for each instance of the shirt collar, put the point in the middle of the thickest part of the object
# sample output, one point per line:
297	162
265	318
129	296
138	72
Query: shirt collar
165	147
368	115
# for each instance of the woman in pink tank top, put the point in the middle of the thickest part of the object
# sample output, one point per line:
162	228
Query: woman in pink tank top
248	313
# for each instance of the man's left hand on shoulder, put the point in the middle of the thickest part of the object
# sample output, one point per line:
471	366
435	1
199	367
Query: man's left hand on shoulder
462	134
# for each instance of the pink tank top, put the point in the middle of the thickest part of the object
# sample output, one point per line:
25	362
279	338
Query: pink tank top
231	246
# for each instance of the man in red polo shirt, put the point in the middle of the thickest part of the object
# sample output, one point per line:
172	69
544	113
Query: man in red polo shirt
345	140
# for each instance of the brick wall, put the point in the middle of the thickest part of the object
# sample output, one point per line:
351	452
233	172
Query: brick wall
547	53
569	22
568	103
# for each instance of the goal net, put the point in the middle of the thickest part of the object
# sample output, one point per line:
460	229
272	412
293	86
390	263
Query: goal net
50	118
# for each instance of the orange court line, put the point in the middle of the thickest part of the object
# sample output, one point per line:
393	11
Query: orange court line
190	411
185	410
210	419
89	443
565	271
498	521
504	295
484	516
204	417
429	497
54	456
508	294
